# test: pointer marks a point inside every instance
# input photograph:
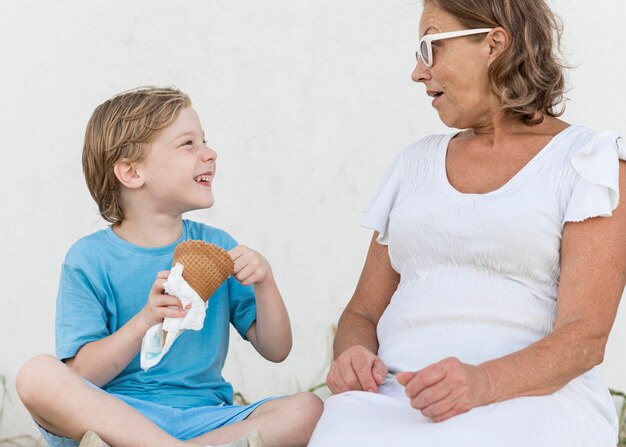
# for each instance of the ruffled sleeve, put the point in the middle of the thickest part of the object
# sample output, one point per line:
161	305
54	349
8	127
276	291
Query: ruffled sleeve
383	201
596	191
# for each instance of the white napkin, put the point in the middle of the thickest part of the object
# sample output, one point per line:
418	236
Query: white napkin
152	347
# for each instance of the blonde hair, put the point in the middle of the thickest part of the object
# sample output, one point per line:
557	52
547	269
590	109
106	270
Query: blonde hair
122	128
528	77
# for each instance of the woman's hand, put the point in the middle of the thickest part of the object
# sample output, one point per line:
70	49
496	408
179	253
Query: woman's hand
356	369
160	305
446	388
250	266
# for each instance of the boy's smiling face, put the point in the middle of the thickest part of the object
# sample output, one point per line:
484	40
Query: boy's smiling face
178	171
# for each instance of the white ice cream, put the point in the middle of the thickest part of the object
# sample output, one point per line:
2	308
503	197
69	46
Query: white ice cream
152	347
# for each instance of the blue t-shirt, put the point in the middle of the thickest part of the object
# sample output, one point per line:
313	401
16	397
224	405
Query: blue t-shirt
105	281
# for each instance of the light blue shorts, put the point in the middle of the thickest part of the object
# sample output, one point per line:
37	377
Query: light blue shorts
181	424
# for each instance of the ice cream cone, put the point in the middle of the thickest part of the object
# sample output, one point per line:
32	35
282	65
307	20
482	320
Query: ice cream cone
205	266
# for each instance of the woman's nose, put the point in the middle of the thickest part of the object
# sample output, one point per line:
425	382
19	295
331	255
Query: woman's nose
420	72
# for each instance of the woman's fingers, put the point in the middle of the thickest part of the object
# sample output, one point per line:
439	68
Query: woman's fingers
346	380
425	378
379	371
363	369
445	389
356	369
443	410
432	400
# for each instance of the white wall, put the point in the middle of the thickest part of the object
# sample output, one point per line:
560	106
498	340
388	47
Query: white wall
305	101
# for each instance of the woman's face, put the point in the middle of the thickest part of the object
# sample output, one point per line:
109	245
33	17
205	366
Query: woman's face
457	80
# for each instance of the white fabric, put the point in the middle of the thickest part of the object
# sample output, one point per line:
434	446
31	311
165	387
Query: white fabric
597	190
478	280
383	200
152	347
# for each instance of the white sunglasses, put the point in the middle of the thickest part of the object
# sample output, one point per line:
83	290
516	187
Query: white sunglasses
425	49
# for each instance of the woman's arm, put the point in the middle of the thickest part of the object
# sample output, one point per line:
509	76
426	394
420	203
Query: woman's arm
356	366
270	334
593	274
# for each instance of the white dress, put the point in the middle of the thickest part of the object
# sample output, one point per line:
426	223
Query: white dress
478	280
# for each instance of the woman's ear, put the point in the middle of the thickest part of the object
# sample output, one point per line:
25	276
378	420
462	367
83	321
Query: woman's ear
128	174
498	40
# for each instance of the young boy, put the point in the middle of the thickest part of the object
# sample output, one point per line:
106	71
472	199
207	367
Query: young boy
146	163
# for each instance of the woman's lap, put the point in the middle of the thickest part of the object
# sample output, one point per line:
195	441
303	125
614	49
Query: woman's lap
364	419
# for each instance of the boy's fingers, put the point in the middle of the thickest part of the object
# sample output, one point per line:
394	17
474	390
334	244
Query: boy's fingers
236	252
246	276
241	262
163	274
165	300
158	285
173	312
238	265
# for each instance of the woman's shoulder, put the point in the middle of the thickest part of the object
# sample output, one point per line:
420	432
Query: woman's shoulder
580	138
569	146
424	148
430	141
591	158
588	152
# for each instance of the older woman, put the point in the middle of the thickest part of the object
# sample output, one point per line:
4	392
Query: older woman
498	258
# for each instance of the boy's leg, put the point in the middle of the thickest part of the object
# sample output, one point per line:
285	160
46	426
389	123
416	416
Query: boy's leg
285	422
63	404
252	439
91	439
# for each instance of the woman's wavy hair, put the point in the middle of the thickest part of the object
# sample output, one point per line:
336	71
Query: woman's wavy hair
528	77
123	128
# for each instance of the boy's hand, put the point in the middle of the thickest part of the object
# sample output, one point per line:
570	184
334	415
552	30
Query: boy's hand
250	266
160	305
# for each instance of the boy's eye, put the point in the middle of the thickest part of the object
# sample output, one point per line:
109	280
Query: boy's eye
187	143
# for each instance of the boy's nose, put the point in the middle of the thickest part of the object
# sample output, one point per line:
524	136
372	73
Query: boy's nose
208	154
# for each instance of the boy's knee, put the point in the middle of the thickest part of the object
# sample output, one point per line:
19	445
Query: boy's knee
32	377
310	406
307	411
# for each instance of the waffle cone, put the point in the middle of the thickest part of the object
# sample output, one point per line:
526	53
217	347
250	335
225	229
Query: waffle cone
206	266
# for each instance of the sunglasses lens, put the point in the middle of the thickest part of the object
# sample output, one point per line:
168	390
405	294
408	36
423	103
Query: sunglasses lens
424	53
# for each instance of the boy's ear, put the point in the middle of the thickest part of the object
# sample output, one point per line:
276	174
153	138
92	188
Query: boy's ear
128	174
